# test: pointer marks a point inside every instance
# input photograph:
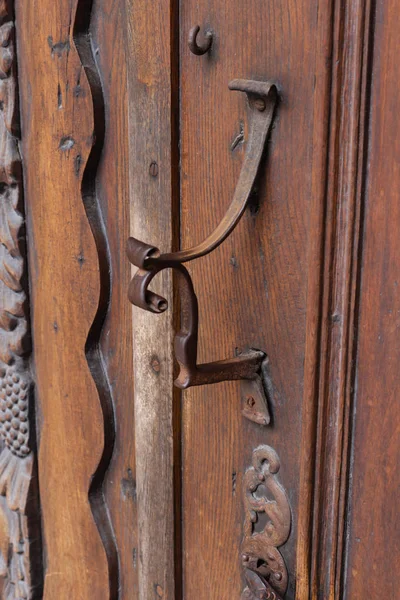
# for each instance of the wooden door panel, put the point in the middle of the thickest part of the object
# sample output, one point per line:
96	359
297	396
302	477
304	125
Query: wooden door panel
253	290
146	491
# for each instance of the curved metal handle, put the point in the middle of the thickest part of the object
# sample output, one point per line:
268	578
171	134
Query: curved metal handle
263	97
251	365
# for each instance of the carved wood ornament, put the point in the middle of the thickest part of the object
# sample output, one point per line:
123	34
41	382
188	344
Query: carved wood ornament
265	570
16	457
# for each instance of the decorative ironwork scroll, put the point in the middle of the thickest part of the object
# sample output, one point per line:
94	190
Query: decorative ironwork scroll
17	496
266	528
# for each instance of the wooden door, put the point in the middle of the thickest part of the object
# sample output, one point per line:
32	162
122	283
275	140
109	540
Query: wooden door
114	482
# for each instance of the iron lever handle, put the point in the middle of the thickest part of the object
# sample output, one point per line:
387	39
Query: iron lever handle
250	366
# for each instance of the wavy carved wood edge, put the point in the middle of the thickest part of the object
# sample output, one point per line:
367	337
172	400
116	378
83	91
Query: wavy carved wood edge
82	40
20	555
266	528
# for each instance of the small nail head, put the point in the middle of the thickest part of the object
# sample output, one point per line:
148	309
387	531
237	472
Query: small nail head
250	401
155	365
153	169
259	103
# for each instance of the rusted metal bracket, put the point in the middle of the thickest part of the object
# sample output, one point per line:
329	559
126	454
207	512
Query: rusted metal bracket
250	366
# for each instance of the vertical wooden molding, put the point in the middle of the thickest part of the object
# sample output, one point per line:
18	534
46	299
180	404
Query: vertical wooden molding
320	143
20	552
350	56
344	39
63	119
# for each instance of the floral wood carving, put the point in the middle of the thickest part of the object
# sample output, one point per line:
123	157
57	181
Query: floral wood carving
266	528
17	495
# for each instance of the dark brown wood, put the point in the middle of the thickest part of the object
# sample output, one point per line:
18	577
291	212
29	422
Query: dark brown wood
62	121
270	277
373	533
350	52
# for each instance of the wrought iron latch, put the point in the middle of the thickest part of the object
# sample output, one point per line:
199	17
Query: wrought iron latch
250	366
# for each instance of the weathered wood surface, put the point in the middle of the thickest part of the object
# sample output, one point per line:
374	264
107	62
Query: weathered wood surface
310	276
152	92
62	119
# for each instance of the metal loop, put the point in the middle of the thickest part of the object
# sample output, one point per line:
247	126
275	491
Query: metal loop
194	46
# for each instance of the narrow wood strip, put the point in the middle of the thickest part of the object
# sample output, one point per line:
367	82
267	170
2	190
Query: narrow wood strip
314	295
154	194
108	33
373	528
61	119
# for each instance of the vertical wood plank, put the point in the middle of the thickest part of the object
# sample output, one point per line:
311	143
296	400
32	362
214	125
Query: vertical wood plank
373	533
61	152
153	186
259	288
320	142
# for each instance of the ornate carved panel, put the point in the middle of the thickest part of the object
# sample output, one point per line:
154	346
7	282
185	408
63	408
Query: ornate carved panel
17	495
266	528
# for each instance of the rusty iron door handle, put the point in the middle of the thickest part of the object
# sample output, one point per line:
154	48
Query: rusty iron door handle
250	366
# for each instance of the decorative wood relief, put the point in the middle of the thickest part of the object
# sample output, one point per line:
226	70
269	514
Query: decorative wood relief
266	528
16	457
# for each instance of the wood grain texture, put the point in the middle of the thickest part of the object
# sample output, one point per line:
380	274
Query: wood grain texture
373	534
257	290
109	31
153	198
321	104
117	123
350	55
62	119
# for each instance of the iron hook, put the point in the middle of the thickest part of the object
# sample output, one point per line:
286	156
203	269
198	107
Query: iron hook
195	47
